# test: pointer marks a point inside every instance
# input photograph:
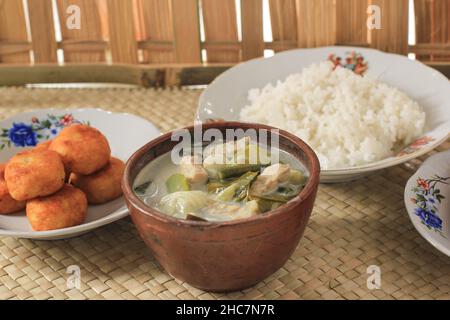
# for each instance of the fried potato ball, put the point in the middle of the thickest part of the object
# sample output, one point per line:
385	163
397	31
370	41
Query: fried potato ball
7	203
66	208
34	173
103	185
83	149
44	145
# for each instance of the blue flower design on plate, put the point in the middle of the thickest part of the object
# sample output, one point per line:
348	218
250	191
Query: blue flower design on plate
428	218
29	135
427	200
22	135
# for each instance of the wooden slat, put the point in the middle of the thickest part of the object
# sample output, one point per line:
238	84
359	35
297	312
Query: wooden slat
187	31
235	45
91	30
431	49
156	25
220	25
316	23
42	31
424	21
104	22
159	75
8	48
280	45
156	46
283	19
252	29
232	46
393	35
432	21
433	26
13	29
83	46
351	19
138	19
122	31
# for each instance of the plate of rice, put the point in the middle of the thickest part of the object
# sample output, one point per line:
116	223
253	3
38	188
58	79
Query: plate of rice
360	110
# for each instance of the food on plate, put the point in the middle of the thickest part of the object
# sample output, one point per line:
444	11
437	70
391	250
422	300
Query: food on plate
7	203
227	181
83	149
35	179
44	145
348	120
103	185
34	173
66	208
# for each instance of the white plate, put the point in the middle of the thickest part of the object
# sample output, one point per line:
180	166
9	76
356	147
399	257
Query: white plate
125	132
421	193
227	94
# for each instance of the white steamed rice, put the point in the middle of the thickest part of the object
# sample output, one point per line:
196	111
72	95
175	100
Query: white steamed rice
347	119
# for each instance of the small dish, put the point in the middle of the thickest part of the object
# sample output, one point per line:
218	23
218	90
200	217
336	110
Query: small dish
398	71
223	256
125	132
427	200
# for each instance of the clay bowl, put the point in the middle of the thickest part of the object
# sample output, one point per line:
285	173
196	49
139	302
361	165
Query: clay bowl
225	256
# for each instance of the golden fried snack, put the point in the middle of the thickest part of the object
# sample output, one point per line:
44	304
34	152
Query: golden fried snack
66	208
103	185
44	145
83	149
7	203
34	173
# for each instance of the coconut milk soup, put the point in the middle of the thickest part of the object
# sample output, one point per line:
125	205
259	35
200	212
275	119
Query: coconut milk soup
229	181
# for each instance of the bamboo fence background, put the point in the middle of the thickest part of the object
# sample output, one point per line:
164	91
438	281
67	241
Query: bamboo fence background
179	32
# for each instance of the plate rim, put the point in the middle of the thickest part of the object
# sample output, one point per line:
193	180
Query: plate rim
122	212
116	215
365	168
69	110
440	247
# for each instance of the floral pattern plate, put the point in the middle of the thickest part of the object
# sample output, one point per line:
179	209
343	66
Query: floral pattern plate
427	199
423	84
125	132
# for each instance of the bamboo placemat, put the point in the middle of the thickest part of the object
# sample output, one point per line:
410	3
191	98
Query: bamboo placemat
353	225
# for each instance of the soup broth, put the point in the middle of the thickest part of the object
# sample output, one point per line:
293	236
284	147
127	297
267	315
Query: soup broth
205	188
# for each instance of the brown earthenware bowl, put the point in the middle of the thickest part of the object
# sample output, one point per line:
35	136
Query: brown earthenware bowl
230	255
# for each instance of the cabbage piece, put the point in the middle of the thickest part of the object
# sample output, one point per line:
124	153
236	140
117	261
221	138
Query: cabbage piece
227	211
180	203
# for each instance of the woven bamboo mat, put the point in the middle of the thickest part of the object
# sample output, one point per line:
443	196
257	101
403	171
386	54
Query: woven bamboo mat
353	225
